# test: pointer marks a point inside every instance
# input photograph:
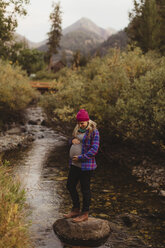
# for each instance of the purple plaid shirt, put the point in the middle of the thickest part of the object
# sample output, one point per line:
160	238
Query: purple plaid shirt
89	150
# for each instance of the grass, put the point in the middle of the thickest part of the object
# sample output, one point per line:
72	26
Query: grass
13	212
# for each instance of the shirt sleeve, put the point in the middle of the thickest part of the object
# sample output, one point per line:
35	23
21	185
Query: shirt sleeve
94	147
70	141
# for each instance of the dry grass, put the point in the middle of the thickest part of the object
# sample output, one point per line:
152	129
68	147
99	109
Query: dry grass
13	226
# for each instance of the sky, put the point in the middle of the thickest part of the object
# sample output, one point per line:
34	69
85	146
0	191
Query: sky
105	13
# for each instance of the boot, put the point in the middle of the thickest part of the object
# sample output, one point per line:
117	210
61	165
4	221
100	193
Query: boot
74	213
81	217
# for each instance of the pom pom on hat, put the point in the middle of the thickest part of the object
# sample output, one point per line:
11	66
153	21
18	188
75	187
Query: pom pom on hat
82	115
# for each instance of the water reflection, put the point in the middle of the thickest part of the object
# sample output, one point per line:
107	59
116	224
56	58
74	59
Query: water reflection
30	168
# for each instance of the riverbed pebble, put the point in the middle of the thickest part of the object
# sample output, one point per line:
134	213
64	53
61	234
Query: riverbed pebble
152	175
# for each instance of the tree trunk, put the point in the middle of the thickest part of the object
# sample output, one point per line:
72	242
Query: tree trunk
50	63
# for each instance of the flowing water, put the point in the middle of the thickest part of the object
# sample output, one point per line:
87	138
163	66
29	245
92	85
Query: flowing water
137	214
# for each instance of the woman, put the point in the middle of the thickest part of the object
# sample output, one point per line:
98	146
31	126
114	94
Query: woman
84	147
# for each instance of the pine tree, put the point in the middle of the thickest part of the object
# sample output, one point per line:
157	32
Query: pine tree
55	33
145	23
161	11
76	59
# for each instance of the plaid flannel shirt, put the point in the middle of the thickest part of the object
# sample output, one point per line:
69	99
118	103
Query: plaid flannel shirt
89	150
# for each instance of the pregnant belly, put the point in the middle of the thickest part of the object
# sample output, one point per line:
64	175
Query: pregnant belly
75	150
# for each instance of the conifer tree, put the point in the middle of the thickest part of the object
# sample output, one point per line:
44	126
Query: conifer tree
145	23
76	59
161	11
55	33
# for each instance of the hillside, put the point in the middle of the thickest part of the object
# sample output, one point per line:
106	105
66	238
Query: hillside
30	44
80	40
119	40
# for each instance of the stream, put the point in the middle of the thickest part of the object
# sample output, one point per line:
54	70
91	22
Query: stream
136	212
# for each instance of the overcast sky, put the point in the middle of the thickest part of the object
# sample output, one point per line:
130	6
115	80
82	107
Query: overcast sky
105	13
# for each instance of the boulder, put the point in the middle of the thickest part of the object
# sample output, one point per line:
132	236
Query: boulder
14	130
162	193
91	233
33	122
45	123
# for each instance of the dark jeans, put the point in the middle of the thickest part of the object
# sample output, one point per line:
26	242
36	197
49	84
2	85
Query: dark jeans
76	175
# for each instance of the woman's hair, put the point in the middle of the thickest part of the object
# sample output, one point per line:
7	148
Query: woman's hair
91	126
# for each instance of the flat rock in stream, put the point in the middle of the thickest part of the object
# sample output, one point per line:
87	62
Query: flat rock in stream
93	232
14	130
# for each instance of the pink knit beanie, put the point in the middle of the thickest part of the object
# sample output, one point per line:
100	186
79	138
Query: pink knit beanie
82	115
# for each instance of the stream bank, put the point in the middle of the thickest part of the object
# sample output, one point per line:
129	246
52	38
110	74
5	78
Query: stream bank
14	137
145	162
30	128
136	213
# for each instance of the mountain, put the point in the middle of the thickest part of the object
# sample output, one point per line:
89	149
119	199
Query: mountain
83	35
119	40
30	44
85	24
80	40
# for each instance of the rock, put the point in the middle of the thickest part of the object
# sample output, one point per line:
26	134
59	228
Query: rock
23	129
44	123
93	232
31	138
162	193
32	122
41	136
155	185
38	120
14	130
9	141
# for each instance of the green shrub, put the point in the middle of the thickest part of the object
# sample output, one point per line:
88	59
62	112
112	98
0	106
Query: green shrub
62	104
142	106
136	63
123	92
31	60
15	90
45	75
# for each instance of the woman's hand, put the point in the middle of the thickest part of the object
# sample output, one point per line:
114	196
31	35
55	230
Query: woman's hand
75	141
75	158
